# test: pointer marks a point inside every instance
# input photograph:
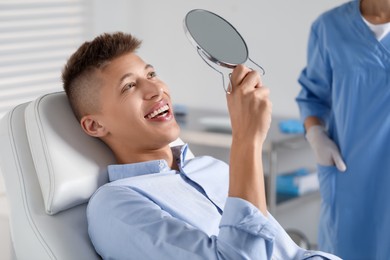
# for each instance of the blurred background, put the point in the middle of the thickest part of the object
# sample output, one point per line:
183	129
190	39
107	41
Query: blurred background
36	38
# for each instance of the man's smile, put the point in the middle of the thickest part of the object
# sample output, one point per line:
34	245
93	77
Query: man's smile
159	112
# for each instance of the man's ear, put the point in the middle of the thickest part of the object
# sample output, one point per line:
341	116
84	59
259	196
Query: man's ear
92	126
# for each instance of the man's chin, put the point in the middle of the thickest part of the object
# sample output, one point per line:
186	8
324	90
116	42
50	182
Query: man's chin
174	137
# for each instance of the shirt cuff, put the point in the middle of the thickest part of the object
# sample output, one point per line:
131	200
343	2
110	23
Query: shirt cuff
241	214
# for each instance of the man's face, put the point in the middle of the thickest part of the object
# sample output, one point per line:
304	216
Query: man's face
136	107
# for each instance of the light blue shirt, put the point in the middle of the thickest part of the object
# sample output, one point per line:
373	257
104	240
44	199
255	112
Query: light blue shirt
149	211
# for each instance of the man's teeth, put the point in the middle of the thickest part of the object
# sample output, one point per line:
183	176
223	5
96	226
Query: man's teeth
158	111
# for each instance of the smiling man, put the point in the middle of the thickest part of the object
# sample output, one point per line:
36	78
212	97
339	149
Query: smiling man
132	122
159	203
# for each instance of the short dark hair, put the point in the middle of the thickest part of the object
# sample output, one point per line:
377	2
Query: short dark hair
78	79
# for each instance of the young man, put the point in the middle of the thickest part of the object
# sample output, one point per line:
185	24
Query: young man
160	204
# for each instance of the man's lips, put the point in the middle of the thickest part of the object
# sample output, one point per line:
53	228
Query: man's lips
158	112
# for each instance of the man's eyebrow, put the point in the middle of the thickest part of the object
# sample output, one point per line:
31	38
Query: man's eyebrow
127	75
149	66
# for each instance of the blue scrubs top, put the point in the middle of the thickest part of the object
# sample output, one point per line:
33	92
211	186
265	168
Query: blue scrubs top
347	84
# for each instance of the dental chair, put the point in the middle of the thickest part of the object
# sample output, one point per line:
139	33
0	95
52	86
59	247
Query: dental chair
50	169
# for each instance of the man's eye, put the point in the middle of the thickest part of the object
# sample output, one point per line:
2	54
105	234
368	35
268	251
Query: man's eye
128	86
152	74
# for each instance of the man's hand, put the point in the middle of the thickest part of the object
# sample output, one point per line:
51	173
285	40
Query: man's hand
326	151
249	105
250	116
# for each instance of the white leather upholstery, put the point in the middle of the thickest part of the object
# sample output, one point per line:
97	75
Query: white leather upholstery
35	234
6	248
70	164
50	169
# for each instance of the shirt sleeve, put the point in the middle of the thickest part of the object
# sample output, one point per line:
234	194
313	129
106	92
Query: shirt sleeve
123	224
285	247
314	98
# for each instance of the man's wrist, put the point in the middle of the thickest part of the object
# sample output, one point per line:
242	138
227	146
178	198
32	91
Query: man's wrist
247	143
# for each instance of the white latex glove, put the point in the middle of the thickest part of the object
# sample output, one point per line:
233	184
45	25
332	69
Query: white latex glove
326	151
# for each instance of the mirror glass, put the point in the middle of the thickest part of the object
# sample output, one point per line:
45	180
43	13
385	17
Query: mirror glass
216	37
217	42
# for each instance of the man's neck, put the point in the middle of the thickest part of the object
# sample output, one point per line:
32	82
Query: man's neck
135	156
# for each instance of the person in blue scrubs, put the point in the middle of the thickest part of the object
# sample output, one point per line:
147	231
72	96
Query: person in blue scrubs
160	203
345	105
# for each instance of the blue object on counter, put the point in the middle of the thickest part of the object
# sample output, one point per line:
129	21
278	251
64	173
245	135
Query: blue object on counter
291	126
297	182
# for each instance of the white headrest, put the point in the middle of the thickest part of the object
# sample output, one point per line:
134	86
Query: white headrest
70	164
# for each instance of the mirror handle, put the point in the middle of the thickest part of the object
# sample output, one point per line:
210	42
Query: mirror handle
226	76
250	64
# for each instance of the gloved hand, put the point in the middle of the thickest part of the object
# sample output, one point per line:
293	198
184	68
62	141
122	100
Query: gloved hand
326	151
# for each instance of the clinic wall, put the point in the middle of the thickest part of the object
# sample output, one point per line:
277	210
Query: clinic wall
276	33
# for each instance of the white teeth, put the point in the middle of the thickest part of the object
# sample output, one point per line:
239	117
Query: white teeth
158	111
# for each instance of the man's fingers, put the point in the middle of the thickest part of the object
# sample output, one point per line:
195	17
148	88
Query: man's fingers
252	80
238	74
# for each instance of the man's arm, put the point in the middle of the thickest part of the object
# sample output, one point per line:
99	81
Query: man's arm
250	114
125	224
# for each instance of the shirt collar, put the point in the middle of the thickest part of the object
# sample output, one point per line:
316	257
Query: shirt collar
121	171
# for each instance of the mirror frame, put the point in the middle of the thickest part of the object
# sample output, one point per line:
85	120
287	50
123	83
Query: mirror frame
204	52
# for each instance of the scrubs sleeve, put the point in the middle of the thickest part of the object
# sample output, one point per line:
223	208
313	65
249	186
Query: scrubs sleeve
123	224
314	99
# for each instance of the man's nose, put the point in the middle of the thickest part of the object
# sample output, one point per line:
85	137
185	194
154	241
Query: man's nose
152	90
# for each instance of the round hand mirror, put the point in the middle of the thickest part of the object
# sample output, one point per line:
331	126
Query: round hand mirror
217	42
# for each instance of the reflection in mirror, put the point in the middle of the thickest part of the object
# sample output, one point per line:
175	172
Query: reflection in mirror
218	43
